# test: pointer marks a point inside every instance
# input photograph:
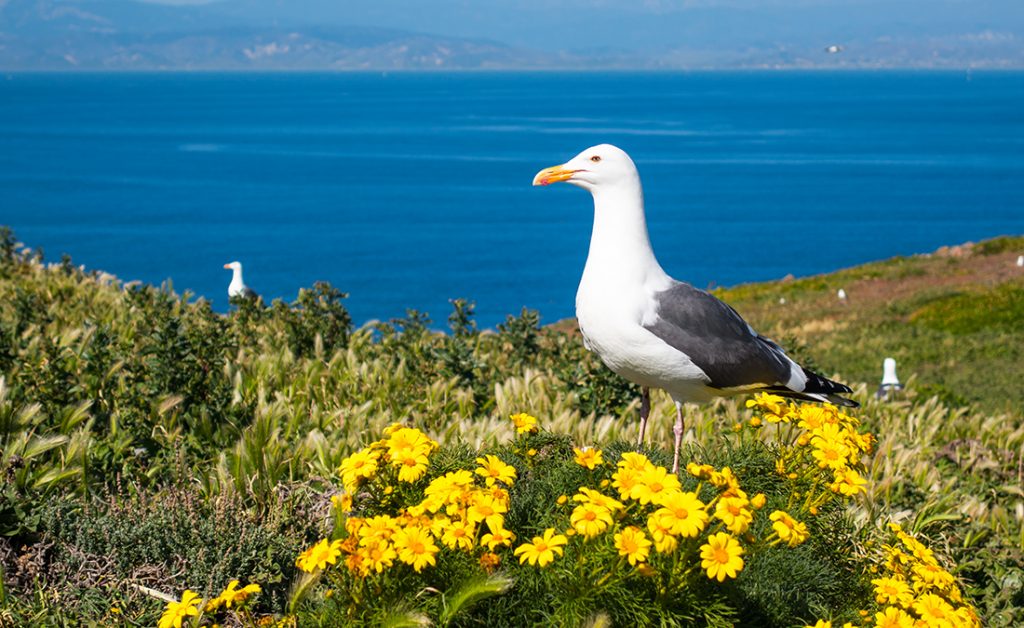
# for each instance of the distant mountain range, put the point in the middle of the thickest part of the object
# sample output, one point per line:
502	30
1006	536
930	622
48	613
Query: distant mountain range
322	35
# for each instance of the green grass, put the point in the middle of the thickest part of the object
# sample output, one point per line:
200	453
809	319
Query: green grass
133	409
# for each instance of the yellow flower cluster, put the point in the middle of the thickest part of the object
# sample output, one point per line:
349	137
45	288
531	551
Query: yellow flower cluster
191	603
826	439
914	590
463	510
405	450
649	513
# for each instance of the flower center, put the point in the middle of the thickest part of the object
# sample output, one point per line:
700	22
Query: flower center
721	555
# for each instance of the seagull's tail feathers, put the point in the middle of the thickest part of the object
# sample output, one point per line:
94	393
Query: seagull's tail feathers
818	389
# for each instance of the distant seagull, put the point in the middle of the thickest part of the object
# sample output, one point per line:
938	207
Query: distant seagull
658	332
890	383
237	287
1020	261
834	49
841	295
782	300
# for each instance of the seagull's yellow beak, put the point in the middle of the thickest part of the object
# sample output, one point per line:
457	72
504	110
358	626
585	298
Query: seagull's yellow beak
554	174
228	266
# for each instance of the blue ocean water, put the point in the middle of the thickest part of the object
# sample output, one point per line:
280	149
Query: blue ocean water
406	190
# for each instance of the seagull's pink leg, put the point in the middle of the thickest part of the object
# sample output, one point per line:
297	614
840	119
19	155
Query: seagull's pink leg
645	411
678	431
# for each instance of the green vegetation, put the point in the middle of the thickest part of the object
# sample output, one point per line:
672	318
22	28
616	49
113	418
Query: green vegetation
148	443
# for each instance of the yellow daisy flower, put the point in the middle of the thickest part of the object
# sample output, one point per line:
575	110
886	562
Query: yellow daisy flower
788	529
415	547
360	465
232	595
378	556
624	480
496	538
411	462
524	422
492	469
848	483
721	557
683	514
635	461
543	549
893	591
661	532
633	544
590	519
588	457
775	408
408	438
654	485
487	509
893	617
831	454
934	610
598	498
175	612
375	529
700	471
319	556
734	513
932	576
459	535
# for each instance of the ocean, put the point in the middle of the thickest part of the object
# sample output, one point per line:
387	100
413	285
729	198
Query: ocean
406	190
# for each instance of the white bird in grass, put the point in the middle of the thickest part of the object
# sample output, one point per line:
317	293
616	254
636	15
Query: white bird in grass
658	332
890	383
237	287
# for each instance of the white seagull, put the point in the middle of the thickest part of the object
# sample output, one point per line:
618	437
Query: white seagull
237	287
890	383
658	332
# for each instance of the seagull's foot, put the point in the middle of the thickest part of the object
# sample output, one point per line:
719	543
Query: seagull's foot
645	411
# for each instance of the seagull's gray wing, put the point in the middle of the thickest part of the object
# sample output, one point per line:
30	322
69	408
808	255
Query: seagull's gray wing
717	339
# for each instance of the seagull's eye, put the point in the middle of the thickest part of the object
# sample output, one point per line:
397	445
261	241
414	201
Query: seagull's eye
595	158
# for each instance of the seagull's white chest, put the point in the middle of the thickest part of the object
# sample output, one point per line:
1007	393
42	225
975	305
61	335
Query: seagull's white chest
611	317
236	286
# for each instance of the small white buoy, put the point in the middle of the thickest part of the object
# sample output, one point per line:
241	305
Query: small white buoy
890	383
1020	261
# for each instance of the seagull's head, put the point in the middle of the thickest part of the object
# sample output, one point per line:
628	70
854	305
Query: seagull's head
599	166
233	266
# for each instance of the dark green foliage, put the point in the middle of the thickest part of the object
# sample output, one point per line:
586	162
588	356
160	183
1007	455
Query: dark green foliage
168	540
316	316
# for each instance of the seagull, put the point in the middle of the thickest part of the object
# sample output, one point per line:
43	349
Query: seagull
841	295
1020	261
658	332
833	49
237	287
890	383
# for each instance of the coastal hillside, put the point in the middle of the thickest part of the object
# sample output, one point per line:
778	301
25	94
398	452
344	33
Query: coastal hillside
167	463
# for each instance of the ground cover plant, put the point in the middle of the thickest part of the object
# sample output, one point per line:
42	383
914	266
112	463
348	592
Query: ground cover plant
151	446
